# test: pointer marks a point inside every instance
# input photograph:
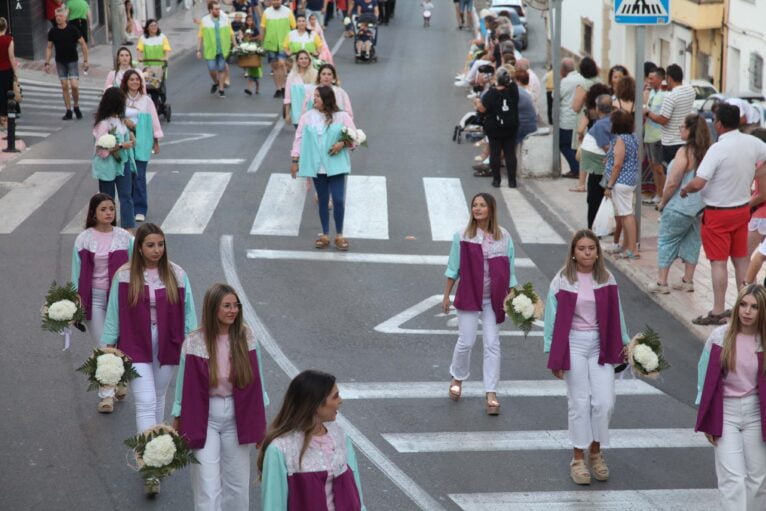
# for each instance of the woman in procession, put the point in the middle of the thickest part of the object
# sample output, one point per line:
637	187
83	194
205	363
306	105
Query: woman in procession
150	311
307	461
301	38
114	167
585	336
319	153
302	76
732	408
123	62
482	257
325	54
98	252
220	402
141	117
328	76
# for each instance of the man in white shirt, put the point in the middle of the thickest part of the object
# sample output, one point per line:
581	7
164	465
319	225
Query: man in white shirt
676	105
724	179
750	117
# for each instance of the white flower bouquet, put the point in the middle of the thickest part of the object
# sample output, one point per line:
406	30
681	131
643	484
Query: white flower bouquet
645	354
62	310
351	136
523	306
248	48
107	145
107	141
160	451
108	367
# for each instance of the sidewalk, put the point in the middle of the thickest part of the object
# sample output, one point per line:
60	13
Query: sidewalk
570	209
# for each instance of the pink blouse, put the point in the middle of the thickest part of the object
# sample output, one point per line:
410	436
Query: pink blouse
585	309
152	279
223	363
326	445
101	259
744	381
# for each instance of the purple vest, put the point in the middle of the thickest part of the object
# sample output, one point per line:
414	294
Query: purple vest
609	327
85	284
249	411
136	329
710	412
306	491
470	289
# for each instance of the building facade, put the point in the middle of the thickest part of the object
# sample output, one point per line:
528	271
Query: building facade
746	46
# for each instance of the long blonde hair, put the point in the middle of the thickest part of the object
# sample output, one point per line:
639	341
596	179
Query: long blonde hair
241	373
493	227
138	265
729	351
600	273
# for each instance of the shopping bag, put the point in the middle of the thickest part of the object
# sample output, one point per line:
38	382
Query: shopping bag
604	223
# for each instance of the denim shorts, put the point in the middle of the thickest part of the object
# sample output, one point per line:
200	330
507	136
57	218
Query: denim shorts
216	64
276	55
466	5
68	71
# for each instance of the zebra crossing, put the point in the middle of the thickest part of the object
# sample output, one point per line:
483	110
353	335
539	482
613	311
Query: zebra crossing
654	443
282	210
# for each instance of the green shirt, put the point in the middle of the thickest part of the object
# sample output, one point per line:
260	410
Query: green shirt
78	9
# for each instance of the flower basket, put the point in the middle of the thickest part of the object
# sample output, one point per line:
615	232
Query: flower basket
523	306
645	354
246	61
108	367
160	451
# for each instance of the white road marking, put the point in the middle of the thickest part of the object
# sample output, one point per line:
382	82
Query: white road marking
192	137
33	134
410	488
366	208
266	147
48	107
506	388
447	208
218	115
359	257
155	161
393	325
281	208
530	225
53	102
624	500
194	208
222	123
55	85
464	441
77	224
19	203
47	93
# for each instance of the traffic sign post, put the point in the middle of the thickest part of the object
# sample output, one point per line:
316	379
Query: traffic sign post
640	13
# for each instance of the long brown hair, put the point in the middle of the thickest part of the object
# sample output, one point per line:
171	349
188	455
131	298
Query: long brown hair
493	227
600	273
95	202
329	104
729	351
698	142
305	394
117	57
137	267
126	76
241	373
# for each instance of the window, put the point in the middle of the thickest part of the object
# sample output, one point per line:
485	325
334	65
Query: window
756	72
586	46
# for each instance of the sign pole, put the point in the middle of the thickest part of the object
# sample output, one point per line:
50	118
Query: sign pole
639	120
555	64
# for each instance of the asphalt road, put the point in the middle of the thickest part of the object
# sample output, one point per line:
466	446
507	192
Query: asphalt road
370	319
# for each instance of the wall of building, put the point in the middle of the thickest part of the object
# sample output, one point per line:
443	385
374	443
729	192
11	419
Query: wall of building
746	36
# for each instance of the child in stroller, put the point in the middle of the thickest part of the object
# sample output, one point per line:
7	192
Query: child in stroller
365	38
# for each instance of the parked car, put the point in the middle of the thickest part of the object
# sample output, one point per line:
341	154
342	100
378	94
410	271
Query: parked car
754	98
519	30
702	90
504	5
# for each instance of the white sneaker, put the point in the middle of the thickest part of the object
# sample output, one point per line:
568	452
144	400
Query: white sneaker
659	289
140	217
655	199
472	95
461	83
459	76
682	285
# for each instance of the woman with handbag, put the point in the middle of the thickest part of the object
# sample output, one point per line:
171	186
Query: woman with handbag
8	70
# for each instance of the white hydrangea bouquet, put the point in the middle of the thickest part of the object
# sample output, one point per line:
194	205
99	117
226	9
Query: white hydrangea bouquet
108	367
62	310
106	146
523	306
350	136
247	49
160	451
645	354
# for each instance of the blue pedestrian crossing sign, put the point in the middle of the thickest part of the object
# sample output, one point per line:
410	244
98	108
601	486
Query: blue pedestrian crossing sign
642	12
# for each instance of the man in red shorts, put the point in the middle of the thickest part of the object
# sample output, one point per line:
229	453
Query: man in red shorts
724	179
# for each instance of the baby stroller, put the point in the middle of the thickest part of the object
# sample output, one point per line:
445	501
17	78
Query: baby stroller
366	54
471	126
156	78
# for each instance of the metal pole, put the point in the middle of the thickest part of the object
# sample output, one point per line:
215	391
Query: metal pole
639	120
116	25
11	135
555	63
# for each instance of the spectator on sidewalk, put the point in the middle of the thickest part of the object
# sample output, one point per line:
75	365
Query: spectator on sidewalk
594	146
8	69
616	73
465	8
570	79
625	95
535	87
621	174
756	229
724	179
679	234
65	38
277	21
215	38
676	105
50	10
548	78
749	116
653	132
79	16
589	73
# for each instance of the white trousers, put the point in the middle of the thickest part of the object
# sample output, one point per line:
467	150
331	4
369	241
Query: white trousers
149	390
740	456
590	391
468	323
221	482
96	326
